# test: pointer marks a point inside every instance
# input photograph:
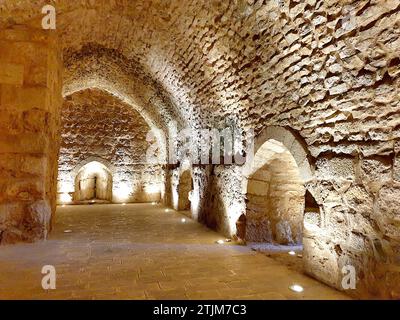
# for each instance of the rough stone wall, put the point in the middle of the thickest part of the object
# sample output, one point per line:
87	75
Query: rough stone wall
263	62
275	203
96	125
97	67
221	187
327	69
30	99
332	75
358	224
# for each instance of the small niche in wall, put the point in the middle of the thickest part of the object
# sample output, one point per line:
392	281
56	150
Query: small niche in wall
312	213
241	228
93	183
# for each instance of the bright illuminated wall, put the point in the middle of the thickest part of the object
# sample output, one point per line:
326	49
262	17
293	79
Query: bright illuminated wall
93	182
225	201
98	127
275	197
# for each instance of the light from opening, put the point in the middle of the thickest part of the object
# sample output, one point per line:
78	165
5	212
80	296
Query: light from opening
65	198
296	288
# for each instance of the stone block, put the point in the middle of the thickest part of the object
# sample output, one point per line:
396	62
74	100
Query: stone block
259	188
12	74
320	261
359	200
376	169
22	165
336	167
25	98
387	214
21	190
24	143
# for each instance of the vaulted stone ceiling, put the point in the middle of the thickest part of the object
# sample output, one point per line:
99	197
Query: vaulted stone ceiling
106	69
328	70
292	63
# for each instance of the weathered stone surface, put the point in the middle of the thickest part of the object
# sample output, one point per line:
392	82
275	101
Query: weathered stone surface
98	127
328	70
29	133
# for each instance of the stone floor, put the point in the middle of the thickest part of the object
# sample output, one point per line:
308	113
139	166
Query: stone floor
139	251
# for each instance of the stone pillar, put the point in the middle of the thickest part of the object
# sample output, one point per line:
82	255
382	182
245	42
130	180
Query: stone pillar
30	100
167	195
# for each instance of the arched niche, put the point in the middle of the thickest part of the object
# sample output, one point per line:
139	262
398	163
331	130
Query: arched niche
93	182
103	69
274	186
274	197
292	142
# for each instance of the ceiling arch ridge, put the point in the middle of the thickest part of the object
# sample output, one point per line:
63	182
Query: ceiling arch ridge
95	63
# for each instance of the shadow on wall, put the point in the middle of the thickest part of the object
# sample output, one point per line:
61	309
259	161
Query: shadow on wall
142	192
185	187
215	213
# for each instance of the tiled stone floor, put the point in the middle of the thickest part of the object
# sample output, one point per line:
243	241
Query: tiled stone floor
139	251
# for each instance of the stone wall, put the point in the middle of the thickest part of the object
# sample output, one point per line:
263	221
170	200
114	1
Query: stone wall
359	224
220	189
328	70
98	127
30	100
275	202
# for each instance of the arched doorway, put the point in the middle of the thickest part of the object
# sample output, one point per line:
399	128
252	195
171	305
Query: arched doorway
93	182
185	186
275	197
281	211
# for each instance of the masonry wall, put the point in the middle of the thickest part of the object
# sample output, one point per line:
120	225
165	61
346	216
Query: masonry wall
275	203
331	74
354	222
328	70
359	223
98	127
30	100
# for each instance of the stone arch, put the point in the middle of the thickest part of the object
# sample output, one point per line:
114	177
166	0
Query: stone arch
105	70
93	182
295	145
274	197
274	187
104	162
157	133
66	183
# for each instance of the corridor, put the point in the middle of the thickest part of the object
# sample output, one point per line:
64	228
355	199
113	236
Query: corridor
142	251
